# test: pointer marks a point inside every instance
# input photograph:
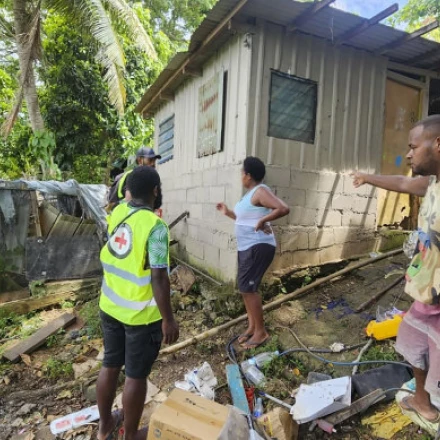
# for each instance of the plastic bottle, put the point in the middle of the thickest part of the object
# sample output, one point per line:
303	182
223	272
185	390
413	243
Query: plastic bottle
263	359
252	373
259	410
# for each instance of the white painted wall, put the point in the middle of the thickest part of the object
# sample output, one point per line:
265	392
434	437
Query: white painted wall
197	184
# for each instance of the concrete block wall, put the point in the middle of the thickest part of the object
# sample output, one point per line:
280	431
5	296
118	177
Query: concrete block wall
329	219
206	239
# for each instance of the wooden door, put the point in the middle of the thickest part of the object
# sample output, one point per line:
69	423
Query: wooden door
402	107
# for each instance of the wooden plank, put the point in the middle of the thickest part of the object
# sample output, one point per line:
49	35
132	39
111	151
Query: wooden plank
14	296
64	226
34	341
236	387
356	407
308	14
409	37
86	227
367	24
48	216
54	287
35	215
27	305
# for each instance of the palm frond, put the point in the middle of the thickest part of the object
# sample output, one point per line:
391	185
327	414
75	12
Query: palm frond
115	80
133	26
6	29
92	16
30	46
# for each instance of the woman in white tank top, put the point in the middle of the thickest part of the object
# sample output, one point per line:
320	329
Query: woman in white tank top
255	244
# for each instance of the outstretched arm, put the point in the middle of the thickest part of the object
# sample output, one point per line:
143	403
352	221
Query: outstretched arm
401	184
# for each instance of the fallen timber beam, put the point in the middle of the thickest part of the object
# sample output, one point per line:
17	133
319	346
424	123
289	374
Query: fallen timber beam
275	304
379	294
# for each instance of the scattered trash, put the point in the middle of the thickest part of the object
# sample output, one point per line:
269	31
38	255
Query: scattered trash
262	359
382	314
152	392
385	377
374	254
252	373
384	329
239	395
259	409
185	415
279	424
385	424
395	272
321	398
200	381
74	420
337	347
325	426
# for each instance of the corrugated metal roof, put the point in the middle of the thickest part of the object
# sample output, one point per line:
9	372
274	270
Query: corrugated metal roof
329	23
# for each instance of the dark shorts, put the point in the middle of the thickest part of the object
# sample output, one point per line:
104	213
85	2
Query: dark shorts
252	265
135	346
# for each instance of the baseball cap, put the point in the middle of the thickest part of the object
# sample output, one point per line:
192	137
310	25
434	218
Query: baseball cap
147	152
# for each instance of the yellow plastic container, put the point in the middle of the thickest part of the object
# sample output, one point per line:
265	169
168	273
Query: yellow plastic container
384	329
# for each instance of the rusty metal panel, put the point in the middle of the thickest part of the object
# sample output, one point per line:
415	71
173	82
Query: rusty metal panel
402	111
210	116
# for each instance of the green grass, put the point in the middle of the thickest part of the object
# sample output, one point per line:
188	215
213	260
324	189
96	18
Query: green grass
90	314
55	369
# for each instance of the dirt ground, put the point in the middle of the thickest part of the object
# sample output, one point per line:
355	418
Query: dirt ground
322	317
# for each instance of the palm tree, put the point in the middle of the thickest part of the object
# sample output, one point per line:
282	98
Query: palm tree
102	18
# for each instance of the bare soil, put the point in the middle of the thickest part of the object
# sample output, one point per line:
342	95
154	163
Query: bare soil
320	318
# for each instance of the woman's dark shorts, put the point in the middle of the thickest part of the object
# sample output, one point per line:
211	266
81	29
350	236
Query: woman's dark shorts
252	265
135	346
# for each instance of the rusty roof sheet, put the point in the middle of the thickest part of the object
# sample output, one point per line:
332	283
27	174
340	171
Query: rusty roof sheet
329	23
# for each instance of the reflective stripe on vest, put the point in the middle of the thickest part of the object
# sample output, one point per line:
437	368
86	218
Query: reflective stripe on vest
118	300
121	184
127	292
139	281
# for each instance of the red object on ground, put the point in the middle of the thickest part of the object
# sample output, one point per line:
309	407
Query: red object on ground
250	393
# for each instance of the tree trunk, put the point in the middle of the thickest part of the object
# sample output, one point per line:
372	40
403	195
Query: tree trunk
22	21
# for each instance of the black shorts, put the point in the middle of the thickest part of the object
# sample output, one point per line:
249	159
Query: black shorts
135	346
252	265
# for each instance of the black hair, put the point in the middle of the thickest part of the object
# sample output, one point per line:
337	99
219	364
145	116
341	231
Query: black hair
255	168
142	181
430	124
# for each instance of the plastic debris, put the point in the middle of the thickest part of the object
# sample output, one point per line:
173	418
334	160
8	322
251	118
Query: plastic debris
337	347
200	381
321	398
385	424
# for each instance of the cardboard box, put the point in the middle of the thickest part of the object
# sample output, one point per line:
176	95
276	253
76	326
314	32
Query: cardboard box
279	424
185	416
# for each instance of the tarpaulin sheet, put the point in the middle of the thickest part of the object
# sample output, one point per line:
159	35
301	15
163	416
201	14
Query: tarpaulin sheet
93	198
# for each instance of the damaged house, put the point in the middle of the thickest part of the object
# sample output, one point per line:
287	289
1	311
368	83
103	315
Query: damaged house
49	231
313	91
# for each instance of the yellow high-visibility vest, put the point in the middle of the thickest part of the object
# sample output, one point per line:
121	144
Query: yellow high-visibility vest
121	182
126	292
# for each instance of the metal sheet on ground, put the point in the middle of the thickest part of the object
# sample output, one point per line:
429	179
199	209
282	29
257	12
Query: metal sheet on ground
60	258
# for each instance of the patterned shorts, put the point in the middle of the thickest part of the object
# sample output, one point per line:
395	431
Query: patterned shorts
418	341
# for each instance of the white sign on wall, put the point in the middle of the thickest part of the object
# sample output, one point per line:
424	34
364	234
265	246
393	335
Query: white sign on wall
210	116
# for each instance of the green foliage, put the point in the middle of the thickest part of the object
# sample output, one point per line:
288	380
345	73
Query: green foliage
56	369
55	339
42	146
418	13
90	314
8	322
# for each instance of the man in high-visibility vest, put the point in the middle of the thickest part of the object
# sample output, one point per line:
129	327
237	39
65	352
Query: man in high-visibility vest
135	307
144	156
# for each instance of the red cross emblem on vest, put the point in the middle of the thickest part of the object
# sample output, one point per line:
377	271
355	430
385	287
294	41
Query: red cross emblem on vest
120	242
